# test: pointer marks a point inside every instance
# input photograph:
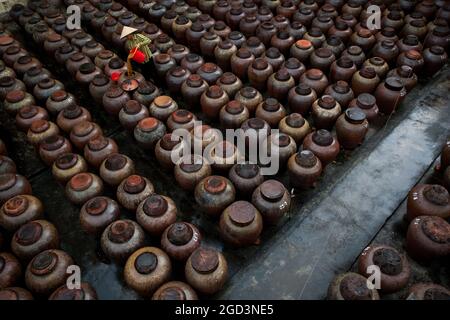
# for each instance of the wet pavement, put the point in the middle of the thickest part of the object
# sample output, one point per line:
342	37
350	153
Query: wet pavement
327	226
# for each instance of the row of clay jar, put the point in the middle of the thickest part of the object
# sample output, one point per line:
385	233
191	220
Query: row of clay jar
33	241
427	213
100	213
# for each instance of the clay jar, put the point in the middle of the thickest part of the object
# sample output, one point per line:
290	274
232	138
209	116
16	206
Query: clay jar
163	63
190	170
294	67
84	131
72	115
315	79
115	65
279	84
194	34
341	92
52	147
10	271
146	93
114	99
351	286
323	145
406	75
394	267
255	46
351	128
281	146
210	72
428	291
19	210
365	80
33	238
115	168
97	213
304	169
428	200
389	95
180	239
378	64
387	50
258	73
240	224
426	238
249	97
248	25
272	200
295	126
8	72
434	59
58	101
192	62
212	101
148	131
75	61
103	58
63	53
274	58
265	32
223	53
283	41
47	271
7	165
82	187
147	269
162	107
133	190
86	73
156	213
270	111
356	54
24	63
85	292
213	194
181	119
367	104
121	238
132	113
178	52
175	290
41	130
301	98
302	49
175	78
27	115
325	112
233	114
16	100
68	165
412	58
229	83
97	88
8	84
192	89
98	149
245	177
322	59
165	147
207	44
12	54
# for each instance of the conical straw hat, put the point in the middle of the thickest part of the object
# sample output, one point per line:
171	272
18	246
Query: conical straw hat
126	31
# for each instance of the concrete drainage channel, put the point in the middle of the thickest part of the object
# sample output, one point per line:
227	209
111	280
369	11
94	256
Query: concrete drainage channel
360	199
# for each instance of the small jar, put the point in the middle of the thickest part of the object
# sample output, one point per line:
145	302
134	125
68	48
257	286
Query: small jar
179	27
335	44
304	169
301	98
279	84
378	64
294	67
86	73
20	210
341	92
272	200
163	63
24	63
7	165
97	213
341	30
387	33
274	58
103	58
413	59
283	41
241	224
163	43
208	42
72	115
181	119
248	25
210	72
325	112
356	54
121	238
194	34
270	111
16	100
364	39
229	83
233	114
131	114
406	75
175	78
351	286
63	54
387	51
322	58
74	62
41	130
34	237
265	31
249	97
85	292
58	101
180	239
427	291
8	72
281	146
425	238
8	84
367	104
295	126
255	46
223	53
11	270
165	147
259	72
147	269
45	88
415	27
48	271
206	270
175	290
52	147
162	107
84	131
115	168
91	49
192	62
68	165
351	128
365	80
434	59
99	85
146	93
27	115
213	194
156	213
315	36
389	94
428	200
437	37
315	79
192	89
133	190
323	145
178	52
82	187
80	39
6	42
98	149
212	101
12	54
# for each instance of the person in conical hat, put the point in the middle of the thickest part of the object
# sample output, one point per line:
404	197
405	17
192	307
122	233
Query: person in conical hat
138	45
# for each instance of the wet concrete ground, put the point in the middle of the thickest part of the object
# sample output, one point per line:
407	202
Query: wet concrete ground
327	227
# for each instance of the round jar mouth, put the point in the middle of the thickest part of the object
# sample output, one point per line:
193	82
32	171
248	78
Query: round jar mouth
365	101
155	206
121	231
180	233
134	184
247	170
327	102
205	260
241	213
116	162
322	138
355	115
